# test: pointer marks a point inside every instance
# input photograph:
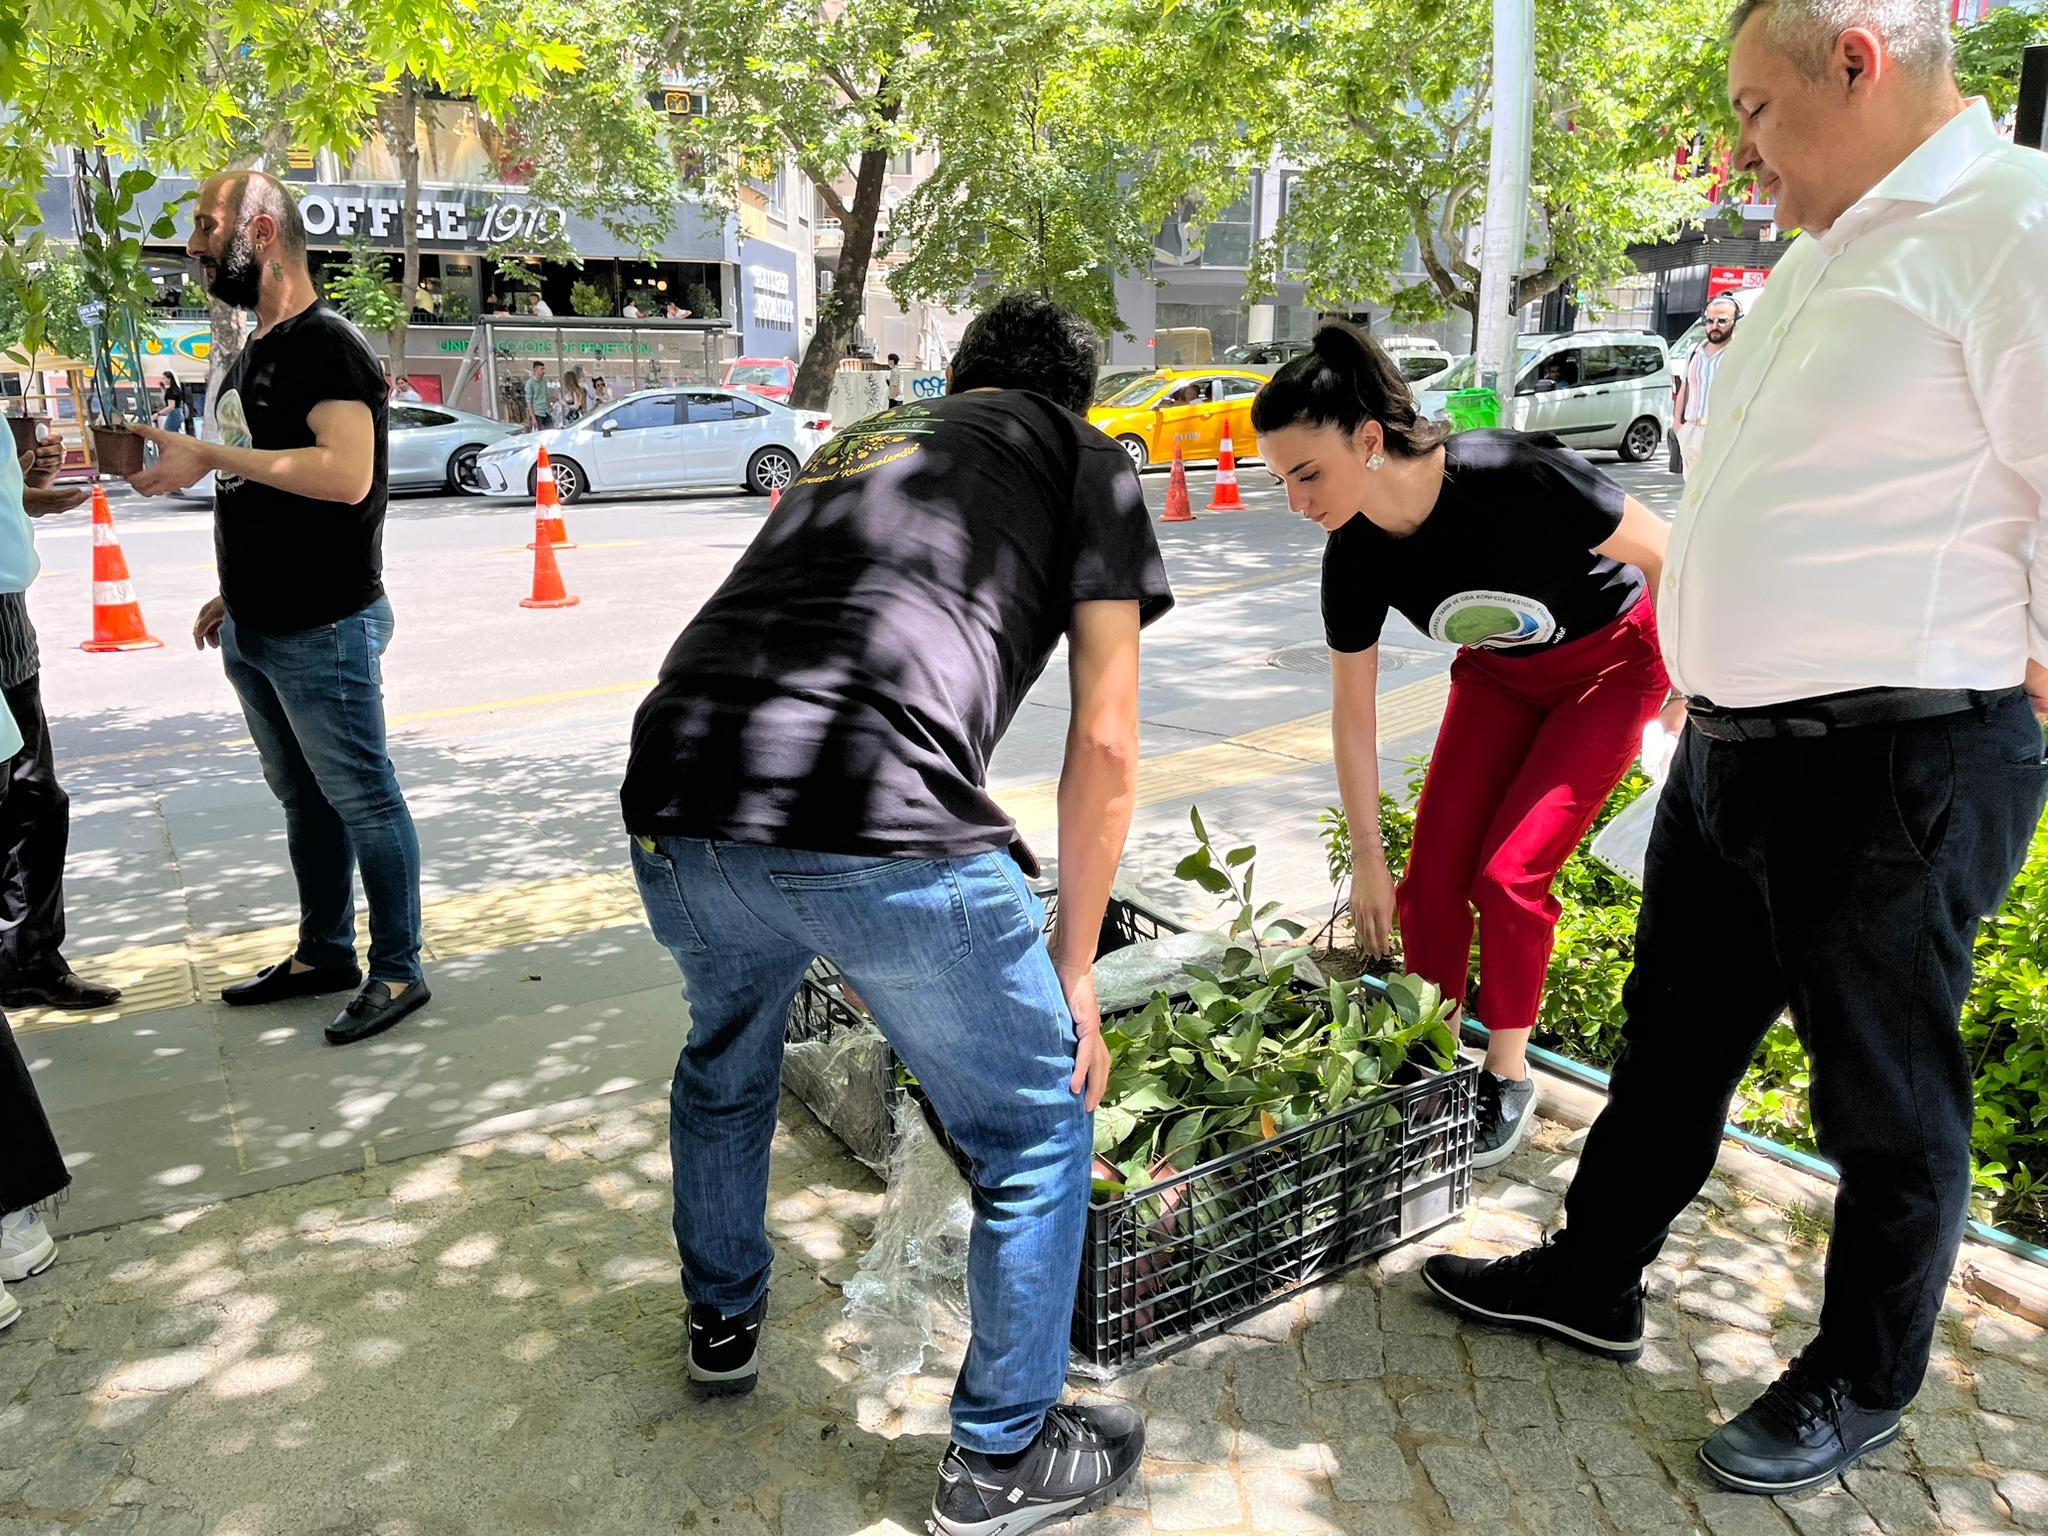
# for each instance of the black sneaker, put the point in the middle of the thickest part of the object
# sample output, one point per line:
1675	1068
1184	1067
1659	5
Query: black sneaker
1504	1109
1802	1432
1540	1291
725	1352
1081	1460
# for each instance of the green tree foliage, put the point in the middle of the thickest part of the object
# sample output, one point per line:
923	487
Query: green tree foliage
363	289
1988	53
1387	115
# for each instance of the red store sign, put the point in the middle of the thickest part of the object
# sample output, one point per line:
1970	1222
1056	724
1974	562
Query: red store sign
1728	279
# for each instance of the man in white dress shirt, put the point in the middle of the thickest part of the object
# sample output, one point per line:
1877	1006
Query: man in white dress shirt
1856	602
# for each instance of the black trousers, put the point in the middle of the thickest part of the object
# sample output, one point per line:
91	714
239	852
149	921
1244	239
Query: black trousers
35	830
1843	877
31	1168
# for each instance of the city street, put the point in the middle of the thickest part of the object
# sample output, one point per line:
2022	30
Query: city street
510	730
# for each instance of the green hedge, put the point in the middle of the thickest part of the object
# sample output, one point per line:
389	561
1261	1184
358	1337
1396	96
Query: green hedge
2005	1025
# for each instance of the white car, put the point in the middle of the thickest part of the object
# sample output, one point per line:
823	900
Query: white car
1593	389
1417	357
663	440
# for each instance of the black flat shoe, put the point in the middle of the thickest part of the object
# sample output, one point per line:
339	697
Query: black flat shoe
373	1010
1802	1432
70	992
276	983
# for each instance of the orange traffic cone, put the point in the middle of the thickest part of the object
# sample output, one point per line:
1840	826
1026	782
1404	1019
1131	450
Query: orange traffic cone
548	591
774	497
1225	497
547	503
1177	508
116	616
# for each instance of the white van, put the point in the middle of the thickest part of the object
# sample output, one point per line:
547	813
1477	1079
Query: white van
1593	389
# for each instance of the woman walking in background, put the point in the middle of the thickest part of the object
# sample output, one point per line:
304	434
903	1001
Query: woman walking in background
575	398
1541	570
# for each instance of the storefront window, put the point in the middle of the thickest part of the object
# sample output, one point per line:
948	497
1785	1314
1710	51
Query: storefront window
1226	324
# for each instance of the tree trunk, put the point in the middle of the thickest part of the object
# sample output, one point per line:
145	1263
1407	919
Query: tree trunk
402	130
839	312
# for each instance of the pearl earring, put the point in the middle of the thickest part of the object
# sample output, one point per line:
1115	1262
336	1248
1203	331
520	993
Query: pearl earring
1376	461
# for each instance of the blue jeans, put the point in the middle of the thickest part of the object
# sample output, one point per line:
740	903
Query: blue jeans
314	701
949	955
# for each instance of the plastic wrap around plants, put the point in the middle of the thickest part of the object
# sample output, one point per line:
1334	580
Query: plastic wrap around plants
915	1270
1127	978
844	1080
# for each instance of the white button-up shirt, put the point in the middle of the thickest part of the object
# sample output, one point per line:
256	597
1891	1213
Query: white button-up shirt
1870	508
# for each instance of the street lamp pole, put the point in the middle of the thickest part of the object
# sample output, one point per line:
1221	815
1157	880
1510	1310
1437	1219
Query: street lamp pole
1505	232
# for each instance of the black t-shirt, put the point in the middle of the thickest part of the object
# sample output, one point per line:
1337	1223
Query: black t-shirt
843	690
174	394
1504	562
289	562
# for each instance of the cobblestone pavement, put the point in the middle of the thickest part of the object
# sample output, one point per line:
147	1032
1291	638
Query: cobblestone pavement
488	1341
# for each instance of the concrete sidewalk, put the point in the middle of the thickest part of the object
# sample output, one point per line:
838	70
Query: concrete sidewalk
488	1341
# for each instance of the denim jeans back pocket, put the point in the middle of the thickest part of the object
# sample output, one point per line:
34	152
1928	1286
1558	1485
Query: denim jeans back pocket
892	922
661	893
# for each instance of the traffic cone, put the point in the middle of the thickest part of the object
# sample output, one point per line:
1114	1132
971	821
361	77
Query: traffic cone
547	504
1177	508
1225	497
548	591
116	616
774	497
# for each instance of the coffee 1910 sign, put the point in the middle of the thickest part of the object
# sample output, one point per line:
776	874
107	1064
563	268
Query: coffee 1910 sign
456	219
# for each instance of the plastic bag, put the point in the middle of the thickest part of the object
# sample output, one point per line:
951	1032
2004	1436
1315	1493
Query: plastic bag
844	1080
1624	843
915	1269
1127	978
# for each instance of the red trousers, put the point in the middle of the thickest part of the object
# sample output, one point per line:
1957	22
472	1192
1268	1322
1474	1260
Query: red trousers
1529	750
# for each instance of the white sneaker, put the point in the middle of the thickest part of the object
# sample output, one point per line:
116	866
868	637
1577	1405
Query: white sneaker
26	1247
10	1309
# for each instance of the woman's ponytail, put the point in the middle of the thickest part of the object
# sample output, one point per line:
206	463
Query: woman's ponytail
1343	381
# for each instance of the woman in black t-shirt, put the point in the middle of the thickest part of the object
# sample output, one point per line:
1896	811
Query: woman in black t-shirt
1541	570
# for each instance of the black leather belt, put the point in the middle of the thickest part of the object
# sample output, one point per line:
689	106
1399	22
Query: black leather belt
1838	712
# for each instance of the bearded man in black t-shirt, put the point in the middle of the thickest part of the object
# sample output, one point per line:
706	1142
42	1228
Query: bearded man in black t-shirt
809	778
302	621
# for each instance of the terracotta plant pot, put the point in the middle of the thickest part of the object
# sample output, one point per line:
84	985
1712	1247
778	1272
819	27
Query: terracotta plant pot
118	451
25	430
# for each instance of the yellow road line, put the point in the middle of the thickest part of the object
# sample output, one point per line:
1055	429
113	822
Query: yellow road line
1249	581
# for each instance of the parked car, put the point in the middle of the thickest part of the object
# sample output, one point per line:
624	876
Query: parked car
1417	357
772	378
664	439
436	445
1264	354
431	447
1193	408
1593	389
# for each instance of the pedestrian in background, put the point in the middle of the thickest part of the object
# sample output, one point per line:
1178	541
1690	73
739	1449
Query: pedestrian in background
600	392
539	412
1856	601
176	411
404	392
1689	409
35	813
302	621
1540	569
539	308
805	780
575	399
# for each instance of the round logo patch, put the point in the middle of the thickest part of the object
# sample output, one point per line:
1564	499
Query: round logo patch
1492	621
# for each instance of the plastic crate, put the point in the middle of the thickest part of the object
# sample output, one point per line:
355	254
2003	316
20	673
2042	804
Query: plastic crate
1170	1264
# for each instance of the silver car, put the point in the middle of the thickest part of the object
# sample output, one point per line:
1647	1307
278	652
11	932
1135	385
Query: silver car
436	445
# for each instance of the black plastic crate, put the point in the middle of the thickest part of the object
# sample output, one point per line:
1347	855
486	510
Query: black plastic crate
1167	1265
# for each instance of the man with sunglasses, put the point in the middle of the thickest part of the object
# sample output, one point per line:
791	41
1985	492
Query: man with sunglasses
1689	408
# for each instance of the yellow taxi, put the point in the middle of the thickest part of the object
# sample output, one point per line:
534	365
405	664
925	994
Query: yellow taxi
1192	409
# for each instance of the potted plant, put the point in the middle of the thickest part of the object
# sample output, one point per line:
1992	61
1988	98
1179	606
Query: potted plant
589	300
39	298
118	312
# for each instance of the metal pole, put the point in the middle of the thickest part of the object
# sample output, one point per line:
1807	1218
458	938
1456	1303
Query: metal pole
1506	230
2031	129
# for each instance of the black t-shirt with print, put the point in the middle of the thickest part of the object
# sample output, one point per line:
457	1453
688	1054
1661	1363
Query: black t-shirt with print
843	690
1504	562
287	562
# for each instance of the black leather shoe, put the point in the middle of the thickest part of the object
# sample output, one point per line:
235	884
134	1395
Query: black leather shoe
276	983
1541	1291
373	1010
70	992
1802	1432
